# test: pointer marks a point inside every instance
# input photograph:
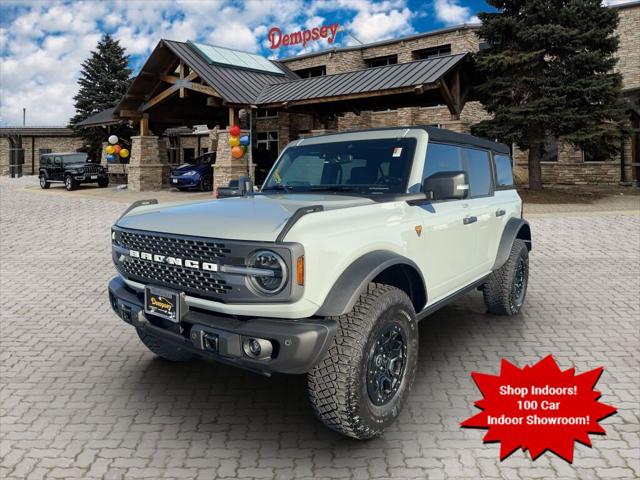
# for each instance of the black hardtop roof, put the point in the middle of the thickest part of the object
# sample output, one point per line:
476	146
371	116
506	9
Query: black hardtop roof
442	135
63	153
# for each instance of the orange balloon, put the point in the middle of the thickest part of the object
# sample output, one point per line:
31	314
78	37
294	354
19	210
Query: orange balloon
237	152
116	149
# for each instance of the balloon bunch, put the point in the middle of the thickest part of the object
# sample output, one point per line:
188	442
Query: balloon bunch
239	144
113	150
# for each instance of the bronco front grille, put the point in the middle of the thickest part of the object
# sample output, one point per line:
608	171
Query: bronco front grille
202	282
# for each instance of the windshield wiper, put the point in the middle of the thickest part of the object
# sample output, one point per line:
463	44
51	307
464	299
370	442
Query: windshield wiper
278	186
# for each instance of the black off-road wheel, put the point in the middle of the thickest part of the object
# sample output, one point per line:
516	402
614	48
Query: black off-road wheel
103	183
69	183
164	349
44	183
360	386
505	290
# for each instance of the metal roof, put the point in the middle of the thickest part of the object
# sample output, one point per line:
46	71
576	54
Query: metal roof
235	85
105	117
37	131
390	77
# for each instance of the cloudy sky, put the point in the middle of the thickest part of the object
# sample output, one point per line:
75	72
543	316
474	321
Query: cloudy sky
43	43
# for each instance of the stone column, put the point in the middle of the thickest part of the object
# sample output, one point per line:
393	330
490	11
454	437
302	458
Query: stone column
148	169
226	167
103	154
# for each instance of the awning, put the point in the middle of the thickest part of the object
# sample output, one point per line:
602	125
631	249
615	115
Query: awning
105	117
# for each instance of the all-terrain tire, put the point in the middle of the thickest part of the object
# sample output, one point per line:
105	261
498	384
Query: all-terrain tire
164	349
44	183
338	385
502	294
103	183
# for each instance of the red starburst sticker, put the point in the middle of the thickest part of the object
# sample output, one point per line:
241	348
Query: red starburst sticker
539	408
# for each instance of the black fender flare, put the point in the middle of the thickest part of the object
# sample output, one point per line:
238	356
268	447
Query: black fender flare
515	228
43	173
355	278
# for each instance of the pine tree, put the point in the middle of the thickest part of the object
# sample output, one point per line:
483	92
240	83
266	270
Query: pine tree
548	71
104	79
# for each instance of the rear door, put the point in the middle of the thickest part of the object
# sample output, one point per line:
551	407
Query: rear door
449	241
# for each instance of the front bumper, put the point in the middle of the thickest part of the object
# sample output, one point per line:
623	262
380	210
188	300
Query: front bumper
184	182
297	344
87	178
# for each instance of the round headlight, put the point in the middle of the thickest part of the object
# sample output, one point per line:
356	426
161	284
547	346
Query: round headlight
274	276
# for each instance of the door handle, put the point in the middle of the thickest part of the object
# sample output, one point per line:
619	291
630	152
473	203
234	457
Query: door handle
500	212
468	220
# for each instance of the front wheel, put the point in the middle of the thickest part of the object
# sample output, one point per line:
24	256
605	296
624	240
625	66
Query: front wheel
205	183
103	182
360	386
506	288
44	183
69	183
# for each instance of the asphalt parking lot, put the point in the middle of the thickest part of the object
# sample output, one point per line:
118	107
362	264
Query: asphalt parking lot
82	398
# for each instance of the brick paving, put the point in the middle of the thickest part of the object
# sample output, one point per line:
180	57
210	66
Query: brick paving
82	398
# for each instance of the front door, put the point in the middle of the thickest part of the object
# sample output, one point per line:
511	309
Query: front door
56	168
450	234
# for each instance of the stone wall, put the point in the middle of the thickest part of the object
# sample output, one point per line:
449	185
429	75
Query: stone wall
228	168
34	144
629	49
461	40
148	167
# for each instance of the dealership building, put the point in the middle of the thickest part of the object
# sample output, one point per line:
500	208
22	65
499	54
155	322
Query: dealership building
187	94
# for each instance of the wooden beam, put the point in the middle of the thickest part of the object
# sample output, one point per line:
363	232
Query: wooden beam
207	90
448	98
160	97
232	116
130	114
144	125
214	102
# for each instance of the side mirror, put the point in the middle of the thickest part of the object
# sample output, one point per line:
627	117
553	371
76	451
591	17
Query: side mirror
446	186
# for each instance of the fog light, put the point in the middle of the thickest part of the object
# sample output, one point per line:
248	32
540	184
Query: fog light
257	348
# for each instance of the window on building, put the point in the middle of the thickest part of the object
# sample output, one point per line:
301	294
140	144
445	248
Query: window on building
476	163
483	46
383	109
188	154
550	150
594	156
266	113
318	71
504	172
267	141
432	52
382	61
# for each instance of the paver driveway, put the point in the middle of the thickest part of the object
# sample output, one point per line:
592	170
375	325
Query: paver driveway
81	397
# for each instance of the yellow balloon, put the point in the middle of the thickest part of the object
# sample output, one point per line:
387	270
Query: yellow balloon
124	152
110	149
234	141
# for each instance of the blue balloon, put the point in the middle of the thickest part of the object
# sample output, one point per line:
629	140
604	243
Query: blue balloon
111	157
244	140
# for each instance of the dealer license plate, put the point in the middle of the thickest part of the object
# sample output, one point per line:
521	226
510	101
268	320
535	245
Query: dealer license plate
174	180
162	302
94	177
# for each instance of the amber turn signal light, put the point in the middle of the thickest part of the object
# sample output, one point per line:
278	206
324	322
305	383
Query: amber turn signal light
300	271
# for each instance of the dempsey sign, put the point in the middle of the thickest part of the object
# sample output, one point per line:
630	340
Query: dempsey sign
278	39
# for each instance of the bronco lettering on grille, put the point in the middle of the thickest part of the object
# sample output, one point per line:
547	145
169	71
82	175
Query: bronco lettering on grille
178	262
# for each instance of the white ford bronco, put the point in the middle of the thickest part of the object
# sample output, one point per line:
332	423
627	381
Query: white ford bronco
354	238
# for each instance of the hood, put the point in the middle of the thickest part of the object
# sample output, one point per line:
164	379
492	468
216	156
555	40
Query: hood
259	217
185	167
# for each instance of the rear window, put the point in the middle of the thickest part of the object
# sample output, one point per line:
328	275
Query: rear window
504	171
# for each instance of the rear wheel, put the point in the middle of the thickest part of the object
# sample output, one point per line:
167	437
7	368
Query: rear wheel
164	349
506	288
70	183
360	386
44	183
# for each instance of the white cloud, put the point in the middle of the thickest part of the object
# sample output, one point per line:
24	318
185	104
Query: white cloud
449	12
45	42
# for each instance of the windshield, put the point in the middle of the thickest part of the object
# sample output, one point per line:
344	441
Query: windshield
363	166
75	158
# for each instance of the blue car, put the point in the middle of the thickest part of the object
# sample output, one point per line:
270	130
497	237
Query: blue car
197	174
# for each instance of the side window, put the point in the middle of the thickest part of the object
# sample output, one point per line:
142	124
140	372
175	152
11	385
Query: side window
478	168
504	173
57	161
442	158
